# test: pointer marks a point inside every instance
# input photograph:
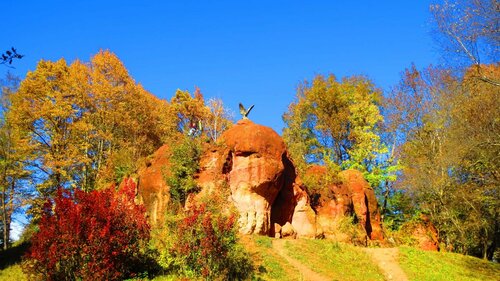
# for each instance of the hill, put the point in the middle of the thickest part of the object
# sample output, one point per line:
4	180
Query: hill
306	259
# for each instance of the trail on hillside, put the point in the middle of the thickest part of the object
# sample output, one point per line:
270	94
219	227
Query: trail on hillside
387	261
306	272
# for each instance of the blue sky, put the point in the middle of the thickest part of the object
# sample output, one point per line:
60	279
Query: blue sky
255	52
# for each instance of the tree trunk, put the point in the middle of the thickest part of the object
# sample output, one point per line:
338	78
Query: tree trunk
4	221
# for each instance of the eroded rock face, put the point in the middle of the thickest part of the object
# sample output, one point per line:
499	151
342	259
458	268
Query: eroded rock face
364	202
424	232
252	162
353	196
252	169
153	191
255	173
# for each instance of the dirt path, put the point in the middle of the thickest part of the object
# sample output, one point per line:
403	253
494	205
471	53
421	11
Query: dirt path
387	261
306	272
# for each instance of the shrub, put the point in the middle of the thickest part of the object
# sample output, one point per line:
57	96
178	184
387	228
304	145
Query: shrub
184	164
205	244
89	236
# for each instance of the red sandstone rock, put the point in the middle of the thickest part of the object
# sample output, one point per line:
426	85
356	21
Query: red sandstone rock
364	202
304	217
256	173
424	232
152	190
352	196
253	163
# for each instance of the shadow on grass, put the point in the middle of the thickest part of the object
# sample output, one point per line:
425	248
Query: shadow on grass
480	267
12	255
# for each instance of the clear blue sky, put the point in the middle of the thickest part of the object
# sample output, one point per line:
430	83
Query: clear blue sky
255	52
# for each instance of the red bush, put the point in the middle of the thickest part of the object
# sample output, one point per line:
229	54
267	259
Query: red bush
205	242
89	236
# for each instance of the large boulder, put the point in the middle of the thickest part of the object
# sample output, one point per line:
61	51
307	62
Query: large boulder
262	179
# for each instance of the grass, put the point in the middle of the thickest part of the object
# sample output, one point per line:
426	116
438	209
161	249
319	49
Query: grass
268	264
335	260
12	272
10	263
434	266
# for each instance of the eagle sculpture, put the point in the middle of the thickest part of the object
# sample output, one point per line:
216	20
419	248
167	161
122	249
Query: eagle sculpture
244	112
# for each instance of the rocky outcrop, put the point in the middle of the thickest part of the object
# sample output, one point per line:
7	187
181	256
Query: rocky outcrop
153	191
423	232
364	202
263	181
350	195
251	169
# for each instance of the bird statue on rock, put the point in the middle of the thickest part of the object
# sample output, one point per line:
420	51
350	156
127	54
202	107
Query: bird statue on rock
244	112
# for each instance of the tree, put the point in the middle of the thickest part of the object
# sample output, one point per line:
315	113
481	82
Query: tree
184	165
475	136
408	107
12	167
190	110
126	122
48	110
218	120
468	30
9	56
98	235
336	124
446	143
88	125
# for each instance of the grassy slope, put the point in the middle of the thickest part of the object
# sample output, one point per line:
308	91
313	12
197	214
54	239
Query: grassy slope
10	263
334	260
268	264
421	265
12	272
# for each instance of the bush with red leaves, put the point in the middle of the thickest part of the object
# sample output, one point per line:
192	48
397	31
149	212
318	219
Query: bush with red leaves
206	245
98	235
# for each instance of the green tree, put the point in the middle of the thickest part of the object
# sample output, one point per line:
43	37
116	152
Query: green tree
337	124
184	164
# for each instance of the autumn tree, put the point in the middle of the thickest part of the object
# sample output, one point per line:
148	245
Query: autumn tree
218	120
12	167
337	124
190	109
194	115
474	137
88	124
126	121
446	143
468	32
47	110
